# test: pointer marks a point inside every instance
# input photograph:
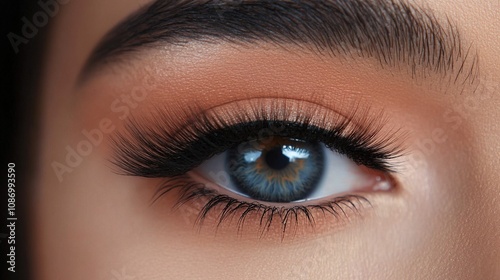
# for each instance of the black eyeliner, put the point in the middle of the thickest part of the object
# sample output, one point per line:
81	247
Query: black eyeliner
146	149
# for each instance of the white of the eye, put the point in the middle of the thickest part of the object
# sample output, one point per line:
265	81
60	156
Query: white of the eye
214	169
340	174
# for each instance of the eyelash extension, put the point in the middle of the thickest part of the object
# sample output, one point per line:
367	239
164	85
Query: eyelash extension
288	217
148	149
158	148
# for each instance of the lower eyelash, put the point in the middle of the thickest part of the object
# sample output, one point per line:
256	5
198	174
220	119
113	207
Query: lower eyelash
190	191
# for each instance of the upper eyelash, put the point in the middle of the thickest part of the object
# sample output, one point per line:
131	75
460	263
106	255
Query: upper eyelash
151	151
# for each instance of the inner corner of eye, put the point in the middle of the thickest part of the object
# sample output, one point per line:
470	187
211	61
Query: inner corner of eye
287	170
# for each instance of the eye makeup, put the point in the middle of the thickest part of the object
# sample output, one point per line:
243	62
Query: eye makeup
156	147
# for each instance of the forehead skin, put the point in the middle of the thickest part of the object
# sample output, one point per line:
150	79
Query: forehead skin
89	228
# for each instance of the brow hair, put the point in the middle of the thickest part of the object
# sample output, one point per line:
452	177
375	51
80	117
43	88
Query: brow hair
392	32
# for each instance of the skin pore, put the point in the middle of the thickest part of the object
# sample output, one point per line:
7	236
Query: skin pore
439	222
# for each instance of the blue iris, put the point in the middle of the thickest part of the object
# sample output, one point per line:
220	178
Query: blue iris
276	169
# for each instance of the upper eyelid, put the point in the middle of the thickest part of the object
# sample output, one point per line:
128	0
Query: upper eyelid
195	110
174	125
143	144
361	27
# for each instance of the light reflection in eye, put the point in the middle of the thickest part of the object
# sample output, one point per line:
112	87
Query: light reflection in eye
252	156
293	154
284	170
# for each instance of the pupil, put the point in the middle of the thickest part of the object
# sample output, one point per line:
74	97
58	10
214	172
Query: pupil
276	160
282	170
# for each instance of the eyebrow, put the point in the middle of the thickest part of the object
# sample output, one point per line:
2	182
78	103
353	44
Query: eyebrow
390	31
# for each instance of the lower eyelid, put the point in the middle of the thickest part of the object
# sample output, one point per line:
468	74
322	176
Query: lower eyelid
191	197
379	182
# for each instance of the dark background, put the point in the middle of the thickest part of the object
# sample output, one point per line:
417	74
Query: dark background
20	122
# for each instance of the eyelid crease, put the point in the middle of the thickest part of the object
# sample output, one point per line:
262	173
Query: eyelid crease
159	147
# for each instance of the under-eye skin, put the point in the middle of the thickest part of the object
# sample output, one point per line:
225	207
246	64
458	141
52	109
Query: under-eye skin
275	162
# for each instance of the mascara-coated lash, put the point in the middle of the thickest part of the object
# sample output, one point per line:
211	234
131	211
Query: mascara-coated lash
147	149
222	208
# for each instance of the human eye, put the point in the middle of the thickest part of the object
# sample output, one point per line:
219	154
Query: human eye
271	163
279	169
